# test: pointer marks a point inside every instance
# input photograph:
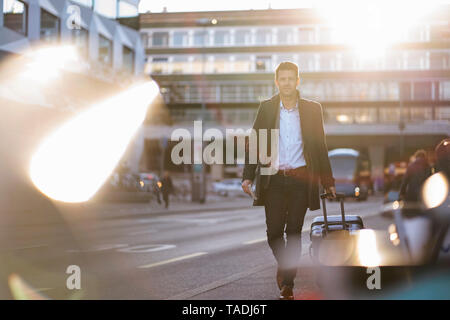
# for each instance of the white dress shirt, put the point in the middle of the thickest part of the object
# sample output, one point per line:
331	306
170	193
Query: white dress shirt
290	148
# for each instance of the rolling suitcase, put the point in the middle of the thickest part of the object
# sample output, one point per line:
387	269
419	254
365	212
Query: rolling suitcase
321	227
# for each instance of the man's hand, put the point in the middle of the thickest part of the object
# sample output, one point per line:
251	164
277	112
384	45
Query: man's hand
246	186
332	191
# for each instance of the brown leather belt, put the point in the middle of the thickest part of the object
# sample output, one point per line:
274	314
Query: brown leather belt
292	172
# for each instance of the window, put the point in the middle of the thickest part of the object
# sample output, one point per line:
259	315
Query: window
180	64
180	39
128	59
422	91
263	63
263	37
327	61
15	16
200	38
105	50
159	65
49	27
284	57
221	38
306	35
242	37
444	90
285	36
306	61
416	60
160	39
439	60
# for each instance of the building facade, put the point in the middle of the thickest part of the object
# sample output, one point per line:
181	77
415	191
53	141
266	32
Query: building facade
107	45
218	65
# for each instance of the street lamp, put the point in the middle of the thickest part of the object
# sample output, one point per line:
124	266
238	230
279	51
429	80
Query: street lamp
199	173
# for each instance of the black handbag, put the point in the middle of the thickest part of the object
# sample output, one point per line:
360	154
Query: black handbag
257	188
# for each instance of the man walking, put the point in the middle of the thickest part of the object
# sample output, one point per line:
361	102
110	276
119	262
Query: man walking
302	163
166	188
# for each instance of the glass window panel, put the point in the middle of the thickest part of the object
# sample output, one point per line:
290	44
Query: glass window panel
416	60
422	91
242	37
200	38
15	16
264	37
221	38
180	39
285	36
105	50
306	35
242	64
443	113
263	63
325	35
49	27
420	114
160	39
444	90
80	39
128	59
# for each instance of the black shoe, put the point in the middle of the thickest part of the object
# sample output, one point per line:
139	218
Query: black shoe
286	293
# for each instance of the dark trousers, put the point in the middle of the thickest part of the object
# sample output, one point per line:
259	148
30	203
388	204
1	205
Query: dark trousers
286	202
166	198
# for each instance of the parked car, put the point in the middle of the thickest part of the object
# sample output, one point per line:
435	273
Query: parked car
228	187
351	171
148	182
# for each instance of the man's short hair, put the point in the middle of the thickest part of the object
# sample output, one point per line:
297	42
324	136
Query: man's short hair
286	65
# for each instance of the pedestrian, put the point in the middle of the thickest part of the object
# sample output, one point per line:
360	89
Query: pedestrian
443	157
301	163
416	174
166	188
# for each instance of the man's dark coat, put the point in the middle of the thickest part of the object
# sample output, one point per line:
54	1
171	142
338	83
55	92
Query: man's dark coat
314	148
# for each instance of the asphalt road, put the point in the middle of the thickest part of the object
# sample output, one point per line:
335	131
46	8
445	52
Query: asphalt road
208	254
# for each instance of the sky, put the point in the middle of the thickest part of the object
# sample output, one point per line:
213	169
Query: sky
216	5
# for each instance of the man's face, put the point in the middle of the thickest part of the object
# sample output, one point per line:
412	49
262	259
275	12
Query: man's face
287	82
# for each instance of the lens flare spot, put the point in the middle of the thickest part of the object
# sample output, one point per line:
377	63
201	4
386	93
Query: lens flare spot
74	162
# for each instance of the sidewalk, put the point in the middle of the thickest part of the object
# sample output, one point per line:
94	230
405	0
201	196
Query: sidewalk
127	210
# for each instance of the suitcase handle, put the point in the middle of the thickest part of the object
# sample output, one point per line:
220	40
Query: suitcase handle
341	198
339	195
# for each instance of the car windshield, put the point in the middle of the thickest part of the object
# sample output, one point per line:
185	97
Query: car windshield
343	167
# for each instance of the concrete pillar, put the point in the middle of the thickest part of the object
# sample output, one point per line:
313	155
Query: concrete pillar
376	154
66	32
34	20
1	14
117	54
139	58
93	40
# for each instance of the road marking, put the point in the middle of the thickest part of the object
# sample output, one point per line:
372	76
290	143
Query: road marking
172	260
29	247
98	248
255	241
143	232
144	248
